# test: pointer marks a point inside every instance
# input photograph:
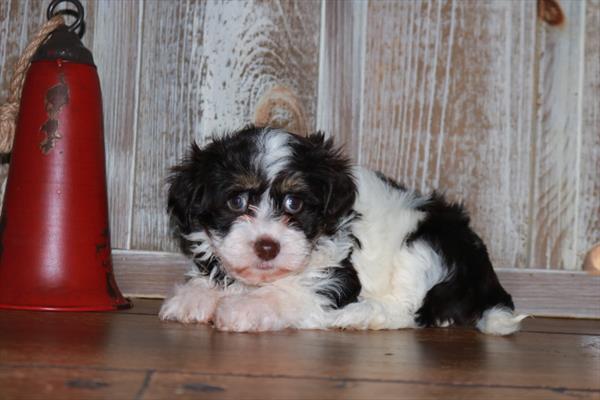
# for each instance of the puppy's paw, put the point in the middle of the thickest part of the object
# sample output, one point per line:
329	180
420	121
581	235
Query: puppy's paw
248	314
191	303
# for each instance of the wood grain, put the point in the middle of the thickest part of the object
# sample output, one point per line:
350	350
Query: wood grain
148	274
433	357
571	294
68	383
588	216
165	385
71	383
131	354
448	105
558	194
205	74
19	20
118	22
341	72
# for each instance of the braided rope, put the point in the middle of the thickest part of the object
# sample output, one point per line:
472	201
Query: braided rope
10	110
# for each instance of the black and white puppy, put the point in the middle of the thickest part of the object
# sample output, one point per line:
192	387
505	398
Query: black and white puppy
285	233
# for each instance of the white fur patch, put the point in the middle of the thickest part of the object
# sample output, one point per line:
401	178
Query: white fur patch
412	272
387	217
194	301
274	153
500	321
287	303
394	278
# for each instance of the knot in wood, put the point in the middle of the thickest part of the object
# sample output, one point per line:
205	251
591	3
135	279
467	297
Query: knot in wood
279	107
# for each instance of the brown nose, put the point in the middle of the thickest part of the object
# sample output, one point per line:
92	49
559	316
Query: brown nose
266	248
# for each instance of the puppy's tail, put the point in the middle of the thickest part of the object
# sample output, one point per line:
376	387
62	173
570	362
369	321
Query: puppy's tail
500	320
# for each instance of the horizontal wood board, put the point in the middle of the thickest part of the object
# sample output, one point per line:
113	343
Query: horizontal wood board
89	383
535	292
85	351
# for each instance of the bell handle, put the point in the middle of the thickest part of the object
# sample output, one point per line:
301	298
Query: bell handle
78	26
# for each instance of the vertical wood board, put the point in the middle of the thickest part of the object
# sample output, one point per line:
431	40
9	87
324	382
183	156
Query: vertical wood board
208	67
557	197
449	104
588	217
115	51
341	72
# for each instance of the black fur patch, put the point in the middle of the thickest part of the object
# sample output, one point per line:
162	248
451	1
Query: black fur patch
206	178
212	266
328	175
347	286
471	286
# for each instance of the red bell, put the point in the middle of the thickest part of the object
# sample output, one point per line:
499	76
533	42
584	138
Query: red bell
55	251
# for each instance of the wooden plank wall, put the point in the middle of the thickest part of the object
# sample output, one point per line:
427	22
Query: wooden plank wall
223	65
484	99
589	223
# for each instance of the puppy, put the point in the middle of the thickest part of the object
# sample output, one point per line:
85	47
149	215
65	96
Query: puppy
285	233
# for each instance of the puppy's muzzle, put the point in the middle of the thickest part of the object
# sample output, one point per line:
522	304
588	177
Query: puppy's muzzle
266	248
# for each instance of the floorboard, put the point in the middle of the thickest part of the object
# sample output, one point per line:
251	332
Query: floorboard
133	355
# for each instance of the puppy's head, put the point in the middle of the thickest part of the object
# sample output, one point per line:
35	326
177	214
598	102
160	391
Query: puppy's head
261	198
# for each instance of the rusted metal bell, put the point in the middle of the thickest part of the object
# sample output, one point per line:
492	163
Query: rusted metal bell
55	251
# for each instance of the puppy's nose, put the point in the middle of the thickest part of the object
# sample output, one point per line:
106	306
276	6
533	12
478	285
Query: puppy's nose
266	248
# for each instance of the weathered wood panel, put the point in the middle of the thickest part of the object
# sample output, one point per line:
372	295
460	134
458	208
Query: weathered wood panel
448	99
588	217
558	197
212	66
343	34
19	20
115	49
483	99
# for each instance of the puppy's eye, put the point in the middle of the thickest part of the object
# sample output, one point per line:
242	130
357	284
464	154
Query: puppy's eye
292	204
238	203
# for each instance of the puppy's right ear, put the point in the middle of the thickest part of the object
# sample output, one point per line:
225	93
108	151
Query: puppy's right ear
186	190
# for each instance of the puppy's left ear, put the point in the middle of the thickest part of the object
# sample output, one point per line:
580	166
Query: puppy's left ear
186	190
332	170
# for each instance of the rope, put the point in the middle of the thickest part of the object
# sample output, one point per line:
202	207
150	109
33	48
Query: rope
10	109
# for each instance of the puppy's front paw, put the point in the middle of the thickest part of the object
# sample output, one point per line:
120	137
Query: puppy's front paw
190	304
248	314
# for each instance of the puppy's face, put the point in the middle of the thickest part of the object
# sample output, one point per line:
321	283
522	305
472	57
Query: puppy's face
261	198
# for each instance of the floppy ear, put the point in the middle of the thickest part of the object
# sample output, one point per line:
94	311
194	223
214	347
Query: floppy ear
186	190
333	172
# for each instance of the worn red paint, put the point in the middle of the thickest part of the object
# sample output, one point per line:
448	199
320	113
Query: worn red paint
56	98
54	239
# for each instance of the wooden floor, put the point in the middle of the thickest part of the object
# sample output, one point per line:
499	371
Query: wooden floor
133	355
